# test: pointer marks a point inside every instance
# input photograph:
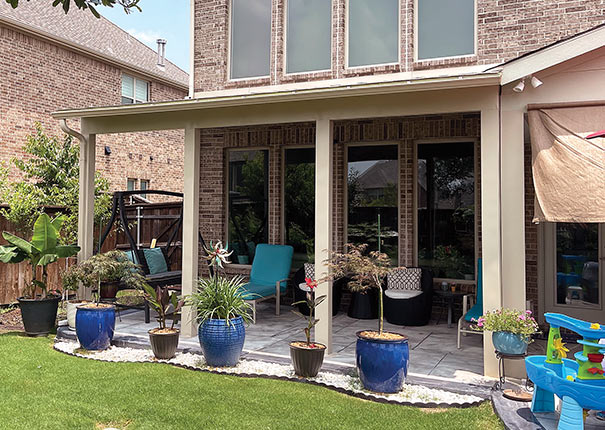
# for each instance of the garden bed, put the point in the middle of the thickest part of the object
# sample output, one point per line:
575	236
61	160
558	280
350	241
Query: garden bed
411	395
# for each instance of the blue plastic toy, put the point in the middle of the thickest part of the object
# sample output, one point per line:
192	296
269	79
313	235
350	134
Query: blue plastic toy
580	383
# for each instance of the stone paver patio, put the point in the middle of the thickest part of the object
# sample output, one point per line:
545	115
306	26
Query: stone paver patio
433	347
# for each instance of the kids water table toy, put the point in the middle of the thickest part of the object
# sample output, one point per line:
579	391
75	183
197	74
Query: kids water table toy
580	383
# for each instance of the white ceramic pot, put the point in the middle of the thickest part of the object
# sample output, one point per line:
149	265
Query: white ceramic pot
72	307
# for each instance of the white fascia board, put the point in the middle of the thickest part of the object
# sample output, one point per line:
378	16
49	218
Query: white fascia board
553	55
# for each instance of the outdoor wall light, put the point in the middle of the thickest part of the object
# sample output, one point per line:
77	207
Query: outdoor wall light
520	86
535	82
107	150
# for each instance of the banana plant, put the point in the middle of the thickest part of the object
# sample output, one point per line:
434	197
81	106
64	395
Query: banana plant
160	299
42	250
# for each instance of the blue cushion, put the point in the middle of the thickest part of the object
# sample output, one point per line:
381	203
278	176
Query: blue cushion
477	310
155	261
252	291
271	264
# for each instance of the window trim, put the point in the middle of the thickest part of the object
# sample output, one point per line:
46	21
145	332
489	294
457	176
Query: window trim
226	191
230	78
134	89
345	214
365	66
285	47
450	57
476	167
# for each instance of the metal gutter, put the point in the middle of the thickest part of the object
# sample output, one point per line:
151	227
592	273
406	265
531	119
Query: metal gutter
264	96
19	26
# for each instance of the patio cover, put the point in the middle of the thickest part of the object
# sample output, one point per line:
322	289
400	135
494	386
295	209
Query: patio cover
568	169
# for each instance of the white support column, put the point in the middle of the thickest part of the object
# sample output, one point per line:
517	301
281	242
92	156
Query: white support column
323	227
191	212
491	224
86	212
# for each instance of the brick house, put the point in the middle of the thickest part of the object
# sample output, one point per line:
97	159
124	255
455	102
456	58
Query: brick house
284	89
51	60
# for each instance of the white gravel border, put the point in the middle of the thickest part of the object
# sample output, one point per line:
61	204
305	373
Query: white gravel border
412	395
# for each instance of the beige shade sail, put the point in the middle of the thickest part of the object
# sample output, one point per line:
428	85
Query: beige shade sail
568	169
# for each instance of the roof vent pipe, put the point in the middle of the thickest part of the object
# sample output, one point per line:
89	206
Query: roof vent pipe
161	51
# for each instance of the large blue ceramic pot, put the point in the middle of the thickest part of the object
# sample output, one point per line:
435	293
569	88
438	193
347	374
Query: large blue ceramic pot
382	364
95	326
222	344
509	343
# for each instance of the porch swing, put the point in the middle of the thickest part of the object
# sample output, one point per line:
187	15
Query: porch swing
154	277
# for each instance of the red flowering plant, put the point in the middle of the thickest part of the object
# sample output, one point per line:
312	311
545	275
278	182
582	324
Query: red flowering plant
312	302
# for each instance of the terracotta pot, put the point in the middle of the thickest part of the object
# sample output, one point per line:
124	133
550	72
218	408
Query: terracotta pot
307	361
164	345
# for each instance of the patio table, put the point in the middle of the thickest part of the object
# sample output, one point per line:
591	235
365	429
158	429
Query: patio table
450	297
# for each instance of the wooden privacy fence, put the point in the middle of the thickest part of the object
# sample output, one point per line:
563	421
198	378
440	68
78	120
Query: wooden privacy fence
153	219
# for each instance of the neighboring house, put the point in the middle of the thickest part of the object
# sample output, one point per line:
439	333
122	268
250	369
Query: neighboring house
442	88
49	60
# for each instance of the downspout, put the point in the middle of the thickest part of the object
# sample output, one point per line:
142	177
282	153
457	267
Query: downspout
72	132
500	256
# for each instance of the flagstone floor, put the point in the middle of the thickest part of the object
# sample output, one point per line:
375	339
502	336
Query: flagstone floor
433	347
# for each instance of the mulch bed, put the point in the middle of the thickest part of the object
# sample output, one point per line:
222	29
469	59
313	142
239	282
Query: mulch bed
11	320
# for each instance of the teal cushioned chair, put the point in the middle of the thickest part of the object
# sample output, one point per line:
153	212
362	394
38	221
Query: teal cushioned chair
269	275
476	310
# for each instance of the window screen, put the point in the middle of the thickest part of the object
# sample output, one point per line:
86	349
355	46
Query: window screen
308	30
446	28
250	38
373	32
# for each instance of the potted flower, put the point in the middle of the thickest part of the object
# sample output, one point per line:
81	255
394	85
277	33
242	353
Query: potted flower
95	322
164	341
38	312
511	329
221	312
382	357
307	357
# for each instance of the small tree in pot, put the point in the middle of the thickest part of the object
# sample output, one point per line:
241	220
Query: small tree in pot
382	357
164	341
38	312
307	357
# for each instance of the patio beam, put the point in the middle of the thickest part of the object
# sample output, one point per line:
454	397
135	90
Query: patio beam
323	227
191	210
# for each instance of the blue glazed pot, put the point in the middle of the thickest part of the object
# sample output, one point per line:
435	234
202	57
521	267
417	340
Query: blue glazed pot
382	364
95	327
222	344
509	343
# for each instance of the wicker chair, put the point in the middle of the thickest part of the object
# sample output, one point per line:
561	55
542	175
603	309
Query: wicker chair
408	297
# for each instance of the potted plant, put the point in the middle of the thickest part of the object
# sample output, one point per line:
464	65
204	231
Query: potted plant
511	329
382	357
221	312
164	341
38	312
71	306
95	322
307	357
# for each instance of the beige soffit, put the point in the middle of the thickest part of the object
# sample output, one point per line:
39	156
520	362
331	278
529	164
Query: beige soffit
568	169
264	95
552	55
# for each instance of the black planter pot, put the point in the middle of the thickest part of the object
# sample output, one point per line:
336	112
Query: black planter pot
306	361
164	344
39	316
109	290
364	306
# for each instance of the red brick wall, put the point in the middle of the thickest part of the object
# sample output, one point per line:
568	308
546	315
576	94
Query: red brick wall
39	77
505	30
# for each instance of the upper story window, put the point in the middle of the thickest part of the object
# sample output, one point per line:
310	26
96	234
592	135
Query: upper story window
373	30
250	38
134	90
445	28
308	35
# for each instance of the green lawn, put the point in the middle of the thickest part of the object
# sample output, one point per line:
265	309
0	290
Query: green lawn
44	389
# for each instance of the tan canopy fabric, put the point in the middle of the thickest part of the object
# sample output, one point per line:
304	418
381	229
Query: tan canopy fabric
568	170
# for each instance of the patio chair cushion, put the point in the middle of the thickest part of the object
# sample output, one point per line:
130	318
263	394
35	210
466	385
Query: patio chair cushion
477	310
309	270
271	264
405	279
402	294
155	260
252	291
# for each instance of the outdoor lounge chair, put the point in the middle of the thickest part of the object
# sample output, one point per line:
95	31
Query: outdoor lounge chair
408	297
269	275
475	310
